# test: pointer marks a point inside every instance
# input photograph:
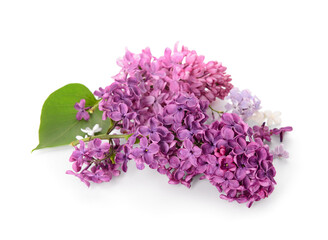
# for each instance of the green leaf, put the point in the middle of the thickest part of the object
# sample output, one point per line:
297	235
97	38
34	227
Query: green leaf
59	125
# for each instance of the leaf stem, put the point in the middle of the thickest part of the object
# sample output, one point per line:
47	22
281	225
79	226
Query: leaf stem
93	108
102	136
112	125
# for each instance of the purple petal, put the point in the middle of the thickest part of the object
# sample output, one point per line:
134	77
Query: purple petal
116	116
183	134
193	160
168	120
252	147
242	142
228	175
155	137
164	147
123	108
184	153
238	150
209	136
265	165
143	130
260	174
253	161
79	116
271	172
174	162
158	109
126	123
191	102
162	130
153	148
233	183
137	152
262	154
171	108
239	129
217	180
148	158
131	115
265	183
77	107
179	174
86	116
197	151
82	103
148	101
227	133
140	165
207	148
153	123
143	142
186	165
221	142
188	144
179	116
240	173
228	119
211	159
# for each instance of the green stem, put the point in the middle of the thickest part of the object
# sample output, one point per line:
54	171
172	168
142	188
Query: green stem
112	125
219	112
102	136
91	110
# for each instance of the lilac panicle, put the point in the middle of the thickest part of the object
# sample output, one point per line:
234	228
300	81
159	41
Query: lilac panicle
161	102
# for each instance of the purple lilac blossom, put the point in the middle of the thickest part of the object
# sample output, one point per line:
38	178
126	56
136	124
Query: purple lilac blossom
281	132
262	132
82	113
94	156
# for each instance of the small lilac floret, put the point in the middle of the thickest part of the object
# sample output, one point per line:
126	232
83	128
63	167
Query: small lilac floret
82	113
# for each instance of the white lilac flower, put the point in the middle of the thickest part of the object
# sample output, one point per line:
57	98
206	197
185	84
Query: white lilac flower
258	117
273	118
242	103
80	137
91	132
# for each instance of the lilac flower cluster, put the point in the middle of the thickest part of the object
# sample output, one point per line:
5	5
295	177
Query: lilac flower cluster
224	152
160	105
145	85
242	103
167	141
95	156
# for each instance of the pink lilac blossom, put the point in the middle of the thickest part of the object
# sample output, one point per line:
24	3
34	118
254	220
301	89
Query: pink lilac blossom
161	103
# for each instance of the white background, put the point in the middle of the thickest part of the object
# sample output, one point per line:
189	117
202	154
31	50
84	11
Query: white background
277	49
